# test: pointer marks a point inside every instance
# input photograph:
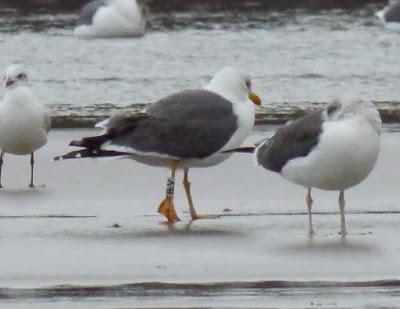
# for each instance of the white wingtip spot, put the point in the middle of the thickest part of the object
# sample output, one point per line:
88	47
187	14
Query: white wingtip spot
78	155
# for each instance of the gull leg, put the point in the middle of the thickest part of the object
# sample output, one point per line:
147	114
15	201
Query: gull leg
1	166
31	185
167	207
309	201
342	203
193	213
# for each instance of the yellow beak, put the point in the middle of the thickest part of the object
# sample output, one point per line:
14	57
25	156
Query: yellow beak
255	98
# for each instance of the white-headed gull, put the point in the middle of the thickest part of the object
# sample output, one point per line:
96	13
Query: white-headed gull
334	150
188	129
24	122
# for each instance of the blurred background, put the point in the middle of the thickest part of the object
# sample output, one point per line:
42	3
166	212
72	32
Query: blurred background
158	5
295	51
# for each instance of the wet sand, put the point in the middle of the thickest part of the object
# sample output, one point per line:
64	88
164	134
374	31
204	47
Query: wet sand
60	247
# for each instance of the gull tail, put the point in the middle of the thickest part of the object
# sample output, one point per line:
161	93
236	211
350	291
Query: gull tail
91	149
91	153
241	149
93	142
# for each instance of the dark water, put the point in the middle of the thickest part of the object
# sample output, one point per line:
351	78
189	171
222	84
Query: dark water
293	55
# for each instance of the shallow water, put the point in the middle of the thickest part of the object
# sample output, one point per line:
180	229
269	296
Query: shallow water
60	248
292	55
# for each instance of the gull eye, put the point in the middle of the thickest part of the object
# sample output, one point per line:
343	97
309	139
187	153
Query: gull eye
21	76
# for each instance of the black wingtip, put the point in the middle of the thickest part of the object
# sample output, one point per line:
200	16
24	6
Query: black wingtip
90	153
92	142
241	149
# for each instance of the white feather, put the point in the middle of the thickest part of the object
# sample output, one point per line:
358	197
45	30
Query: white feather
346	152
24	122
119	18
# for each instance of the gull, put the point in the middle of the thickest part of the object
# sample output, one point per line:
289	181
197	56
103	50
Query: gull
334	149
110	19
24	122
184	130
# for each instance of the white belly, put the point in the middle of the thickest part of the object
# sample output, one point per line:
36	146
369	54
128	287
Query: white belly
206	162
22	133
345	156
24	143
183	163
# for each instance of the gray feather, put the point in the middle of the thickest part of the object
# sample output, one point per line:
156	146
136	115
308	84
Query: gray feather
294	140
189	124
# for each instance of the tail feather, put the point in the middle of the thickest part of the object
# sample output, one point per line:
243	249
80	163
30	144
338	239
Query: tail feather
90	153
93	142
241	149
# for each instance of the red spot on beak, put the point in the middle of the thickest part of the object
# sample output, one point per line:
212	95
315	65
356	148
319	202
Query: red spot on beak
10	82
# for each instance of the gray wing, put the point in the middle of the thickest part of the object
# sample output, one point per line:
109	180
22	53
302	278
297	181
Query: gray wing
189	124
294	140
392	13
88	11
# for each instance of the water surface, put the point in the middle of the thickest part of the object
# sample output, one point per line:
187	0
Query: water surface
292	55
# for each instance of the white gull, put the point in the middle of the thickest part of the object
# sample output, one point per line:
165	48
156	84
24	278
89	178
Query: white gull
24	122
334	149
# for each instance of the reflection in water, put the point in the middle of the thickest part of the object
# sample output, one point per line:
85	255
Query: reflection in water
117	231
337	245
39	190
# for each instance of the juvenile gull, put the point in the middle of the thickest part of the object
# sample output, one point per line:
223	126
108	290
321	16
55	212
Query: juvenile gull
390	15
188	129
334	149
110	18
24	122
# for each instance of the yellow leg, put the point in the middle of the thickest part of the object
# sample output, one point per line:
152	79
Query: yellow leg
193	213
167	207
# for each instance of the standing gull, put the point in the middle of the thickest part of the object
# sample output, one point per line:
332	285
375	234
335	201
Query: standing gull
334	149
24	122
188	129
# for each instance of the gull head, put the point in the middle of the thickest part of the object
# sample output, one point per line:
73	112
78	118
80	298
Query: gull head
234	86
15	75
